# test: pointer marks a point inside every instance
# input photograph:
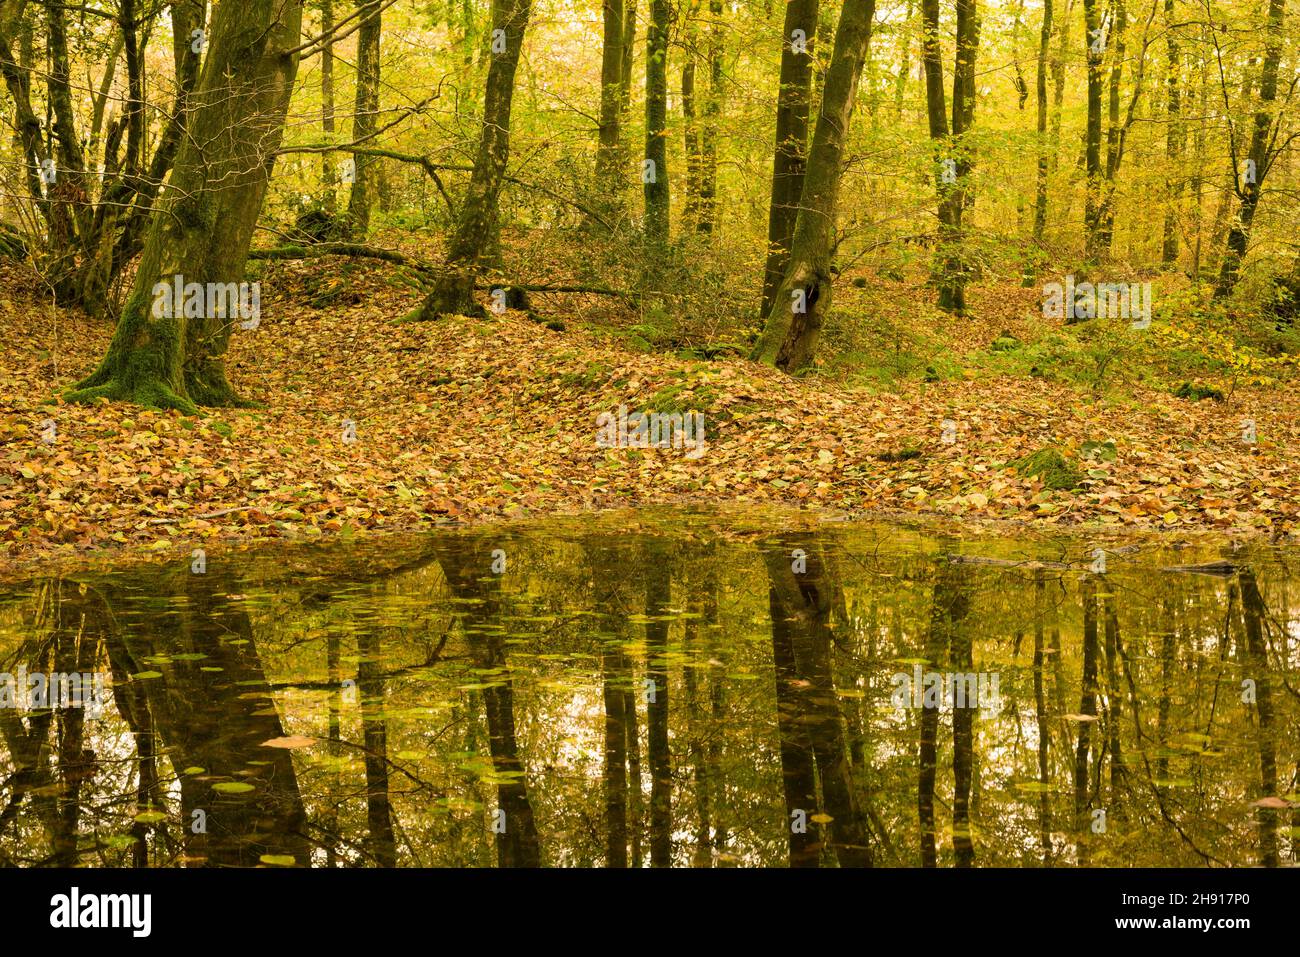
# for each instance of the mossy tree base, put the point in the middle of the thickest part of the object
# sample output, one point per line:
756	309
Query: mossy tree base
452	295
151	395
206	384
143	365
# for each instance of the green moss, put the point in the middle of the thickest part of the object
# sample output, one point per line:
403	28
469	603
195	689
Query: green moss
593	376
902	455
1050	467
1197	392
142	365
683	397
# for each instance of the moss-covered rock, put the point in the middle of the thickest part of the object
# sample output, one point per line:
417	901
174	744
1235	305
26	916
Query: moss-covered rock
1050	467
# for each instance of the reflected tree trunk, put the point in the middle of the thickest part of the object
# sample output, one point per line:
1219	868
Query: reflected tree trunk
963	747
657	600
212	719
612	669
948	610
1257	659
1114	702
1088	709
1044	730
801	596
466	563
382	844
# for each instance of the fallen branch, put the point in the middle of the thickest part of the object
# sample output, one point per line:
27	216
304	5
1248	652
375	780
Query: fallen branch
355	250
388	255
593	290
432	169
1004	563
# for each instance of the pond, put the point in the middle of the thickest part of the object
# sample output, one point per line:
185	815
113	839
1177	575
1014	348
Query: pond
658	688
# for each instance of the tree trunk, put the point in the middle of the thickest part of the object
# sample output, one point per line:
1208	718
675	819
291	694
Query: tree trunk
609	158
365	119
654	174
793	325
327	103
1094	46
1260	155
1114	133
453	293
1174	134
791	141
209	213
707	222
691	125
1044	158
954	196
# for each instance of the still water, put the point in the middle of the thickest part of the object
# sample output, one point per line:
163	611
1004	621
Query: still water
659	688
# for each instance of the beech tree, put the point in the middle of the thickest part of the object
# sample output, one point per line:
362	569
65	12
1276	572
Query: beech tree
654	173
453	292
365	118
1249	171
208	213
797	38
953	164
789	336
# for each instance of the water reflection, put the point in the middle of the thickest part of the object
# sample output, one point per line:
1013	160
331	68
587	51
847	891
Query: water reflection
663	689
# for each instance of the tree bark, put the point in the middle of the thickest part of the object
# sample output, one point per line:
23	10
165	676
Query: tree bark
789	159
654	176
327	103
208	216
1261	155
609	154
1174	137
793	325
453	293
1044	158
365	118
1094	48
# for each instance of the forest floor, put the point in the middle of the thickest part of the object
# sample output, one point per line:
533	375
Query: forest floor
466	420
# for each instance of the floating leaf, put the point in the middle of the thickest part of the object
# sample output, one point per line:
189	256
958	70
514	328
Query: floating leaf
232	787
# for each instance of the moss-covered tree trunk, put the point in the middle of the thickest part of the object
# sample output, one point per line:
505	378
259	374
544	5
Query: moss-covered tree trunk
1114	132
1248	183
330	200
609	158
790	334
1095	46
788	162
1175	134
201	233
453	292
1044	159
365	119
654	175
